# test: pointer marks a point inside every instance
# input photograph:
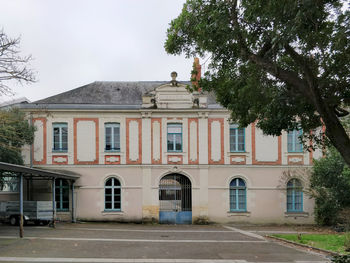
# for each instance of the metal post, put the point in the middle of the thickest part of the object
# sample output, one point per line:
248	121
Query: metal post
53	203
73	208
21	206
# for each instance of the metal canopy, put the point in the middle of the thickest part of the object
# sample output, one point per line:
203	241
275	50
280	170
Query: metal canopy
39	173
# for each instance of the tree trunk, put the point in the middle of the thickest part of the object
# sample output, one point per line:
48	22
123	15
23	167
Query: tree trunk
334	129
337	135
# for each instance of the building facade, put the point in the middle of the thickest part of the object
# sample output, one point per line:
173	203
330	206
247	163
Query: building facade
152	151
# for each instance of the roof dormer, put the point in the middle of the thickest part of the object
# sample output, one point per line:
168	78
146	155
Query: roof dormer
174	95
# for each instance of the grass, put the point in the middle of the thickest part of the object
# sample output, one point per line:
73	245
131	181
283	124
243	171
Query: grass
332	242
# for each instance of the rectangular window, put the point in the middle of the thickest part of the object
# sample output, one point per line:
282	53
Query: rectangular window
9	184
294	143
175	137
60	136
112	133
237	140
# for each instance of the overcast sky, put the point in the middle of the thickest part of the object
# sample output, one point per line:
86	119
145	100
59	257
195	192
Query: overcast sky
76	42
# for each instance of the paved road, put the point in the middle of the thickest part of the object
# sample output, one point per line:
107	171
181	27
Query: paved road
143	243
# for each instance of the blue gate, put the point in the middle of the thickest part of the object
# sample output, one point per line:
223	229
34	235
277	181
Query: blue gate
175	200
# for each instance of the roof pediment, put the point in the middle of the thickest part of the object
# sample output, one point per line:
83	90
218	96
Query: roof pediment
174	95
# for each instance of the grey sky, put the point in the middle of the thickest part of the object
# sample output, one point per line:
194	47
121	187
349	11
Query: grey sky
75	42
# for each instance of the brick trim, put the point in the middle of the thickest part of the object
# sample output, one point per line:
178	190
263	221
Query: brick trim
176	156
232	161
289	157
221	120
152	139
43	161
189	140
75	121
109	156
59	156
139	160
256	162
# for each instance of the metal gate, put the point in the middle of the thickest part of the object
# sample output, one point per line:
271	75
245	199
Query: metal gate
175	200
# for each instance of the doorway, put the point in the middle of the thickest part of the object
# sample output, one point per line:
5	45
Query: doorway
175	199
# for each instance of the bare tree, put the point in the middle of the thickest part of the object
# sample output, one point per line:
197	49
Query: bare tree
13	66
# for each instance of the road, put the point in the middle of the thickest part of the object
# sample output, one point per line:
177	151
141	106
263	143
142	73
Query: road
97	242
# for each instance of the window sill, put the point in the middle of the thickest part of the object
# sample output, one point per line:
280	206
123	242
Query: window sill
296	214
59	151
238	153
62	211
172	153
112	212
112	151
238	213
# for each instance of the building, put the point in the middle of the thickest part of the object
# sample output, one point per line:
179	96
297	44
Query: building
152	151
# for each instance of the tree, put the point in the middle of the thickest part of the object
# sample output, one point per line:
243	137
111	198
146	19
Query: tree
15	132
284	64
13	66
330	184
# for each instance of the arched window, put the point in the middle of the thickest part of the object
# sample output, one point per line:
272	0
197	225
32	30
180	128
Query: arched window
113	194
294	196
238	195
62	194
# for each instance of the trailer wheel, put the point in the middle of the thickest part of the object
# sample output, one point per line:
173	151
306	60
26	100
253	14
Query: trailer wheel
45	222
13	220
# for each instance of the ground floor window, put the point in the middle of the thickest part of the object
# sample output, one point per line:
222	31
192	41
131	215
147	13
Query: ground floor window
62	194
112	195
294	196
238	193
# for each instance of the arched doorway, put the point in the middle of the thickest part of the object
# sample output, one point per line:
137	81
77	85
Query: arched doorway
175	200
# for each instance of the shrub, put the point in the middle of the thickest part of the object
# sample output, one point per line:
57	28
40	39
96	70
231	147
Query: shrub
341	259
330	184
347	242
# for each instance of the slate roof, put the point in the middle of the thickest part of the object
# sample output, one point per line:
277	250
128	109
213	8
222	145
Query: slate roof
118	93
105	92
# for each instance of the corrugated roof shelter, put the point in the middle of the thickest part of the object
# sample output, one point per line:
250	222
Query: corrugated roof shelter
32	173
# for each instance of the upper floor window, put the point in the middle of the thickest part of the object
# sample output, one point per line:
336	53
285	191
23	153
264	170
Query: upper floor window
112	194
62	194
294	143
60	136
112	132
175	137
236	138
294	196
238	193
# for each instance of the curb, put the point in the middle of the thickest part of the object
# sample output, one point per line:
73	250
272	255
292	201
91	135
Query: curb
303	245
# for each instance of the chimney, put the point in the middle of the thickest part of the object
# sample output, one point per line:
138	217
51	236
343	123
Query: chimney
198	72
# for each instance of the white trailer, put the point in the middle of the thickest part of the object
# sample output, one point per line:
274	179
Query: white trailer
33	211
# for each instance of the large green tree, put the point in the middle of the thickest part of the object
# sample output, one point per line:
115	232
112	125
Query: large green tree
15	132
285	63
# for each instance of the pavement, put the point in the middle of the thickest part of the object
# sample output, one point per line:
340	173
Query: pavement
110	242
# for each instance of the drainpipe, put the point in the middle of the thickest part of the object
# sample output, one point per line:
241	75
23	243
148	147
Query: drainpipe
73	208
53	203
31	150
21	205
